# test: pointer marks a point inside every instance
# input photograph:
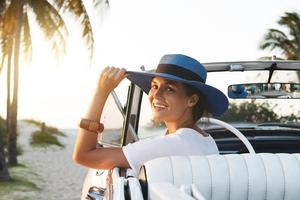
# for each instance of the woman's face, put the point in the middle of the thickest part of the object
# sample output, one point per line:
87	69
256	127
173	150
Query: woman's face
169	101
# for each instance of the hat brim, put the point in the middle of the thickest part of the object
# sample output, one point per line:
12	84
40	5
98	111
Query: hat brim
217	102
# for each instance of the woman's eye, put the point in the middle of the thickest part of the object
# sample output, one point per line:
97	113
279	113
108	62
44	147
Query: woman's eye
169	89
154	86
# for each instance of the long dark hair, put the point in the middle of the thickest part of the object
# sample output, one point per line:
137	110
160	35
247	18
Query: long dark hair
200	108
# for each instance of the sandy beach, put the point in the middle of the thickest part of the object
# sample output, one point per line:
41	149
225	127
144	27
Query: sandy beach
58	177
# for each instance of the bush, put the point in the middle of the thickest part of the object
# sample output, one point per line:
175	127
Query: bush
21	185
256	113
48	129
40	138
54	130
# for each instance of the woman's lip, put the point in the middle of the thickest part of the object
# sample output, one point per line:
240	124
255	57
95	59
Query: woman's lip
157	105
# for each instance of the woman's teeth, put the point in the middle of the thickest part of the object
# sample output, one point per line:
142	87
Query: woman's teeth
159	106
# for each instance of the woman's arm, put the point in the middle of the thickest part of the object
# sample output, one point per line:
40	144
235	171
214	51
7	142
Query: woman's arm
85	151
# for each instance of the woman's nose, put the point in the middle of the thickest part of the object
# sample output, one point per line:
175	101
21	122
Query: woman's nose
157	93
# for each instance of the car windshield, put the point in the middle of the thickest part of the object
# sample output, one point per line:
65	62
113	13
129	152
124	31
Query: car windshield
242	113
255	111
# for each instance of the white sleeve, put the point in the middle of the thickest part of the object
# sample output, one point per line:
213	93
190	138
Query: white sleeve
144	150
132	157
188	143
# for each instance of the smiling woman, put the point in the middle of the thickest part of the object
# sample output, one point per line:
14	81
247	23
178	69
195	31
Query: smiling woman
171	104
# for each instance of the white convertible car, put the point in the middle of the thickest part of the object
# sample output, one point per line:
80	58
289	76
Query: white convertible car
258	140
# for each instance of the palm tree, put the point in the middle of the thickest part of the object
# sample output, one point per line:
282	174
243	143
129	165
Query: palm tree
287	43
15	38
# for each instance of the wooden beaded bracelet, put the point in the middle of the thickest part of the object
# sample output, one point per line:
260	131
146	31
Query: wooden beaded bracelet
91	125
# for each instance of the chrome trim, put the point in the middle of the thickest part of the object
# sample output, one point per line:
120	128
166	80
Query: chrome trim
236	67
120	107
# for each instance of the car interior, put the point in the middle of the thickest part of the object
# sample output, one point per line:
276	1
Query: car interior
257	160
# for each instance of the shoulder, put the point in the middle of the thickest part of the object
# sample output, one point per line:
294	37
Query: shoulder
197	131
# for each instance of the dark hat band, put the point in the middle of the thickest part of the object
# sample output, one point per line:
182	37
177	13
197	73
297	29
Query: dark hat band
179	72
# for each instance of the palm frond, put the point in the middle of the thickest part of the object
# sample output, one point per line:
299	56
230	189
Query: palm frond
292	22
2	11
276	39
6	42
3	35
3	4
77	8
9	19
51	23
289	43
6	51
273	35
3	52
4	47
26	36
2	60
7	29
58	4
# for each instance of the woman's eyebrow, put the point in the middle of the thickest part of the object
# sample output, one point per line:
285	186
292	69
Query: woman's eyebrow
169	82
153	82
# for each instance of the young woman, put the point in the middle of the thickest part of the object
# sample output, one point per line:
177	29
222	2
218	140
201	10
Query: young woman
178	96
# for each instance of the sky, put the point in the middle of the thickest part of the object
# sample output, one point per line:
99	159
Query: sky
135	33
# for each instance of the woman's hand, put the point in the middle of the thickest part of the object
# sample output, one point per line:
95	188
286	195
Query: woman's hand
110	78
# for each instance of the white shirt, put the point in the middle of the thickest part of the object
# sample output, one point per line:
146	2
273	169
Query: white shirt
184	141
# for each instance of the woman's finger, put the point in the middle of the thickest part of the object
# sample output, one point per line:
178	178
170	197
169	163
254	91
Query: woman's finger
121	74
105	70
111	77
114	72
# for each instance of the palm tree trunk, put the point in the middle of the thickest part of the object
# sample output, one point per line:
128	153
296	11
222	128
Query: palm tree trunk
8	101
4	174
12	136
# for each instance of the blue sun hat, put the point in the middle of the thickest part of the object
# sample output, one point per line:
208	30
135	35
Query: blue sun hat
187	70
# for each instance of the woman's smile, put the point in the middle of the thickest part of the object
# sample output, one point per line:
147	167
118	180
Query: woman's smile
168	100
158	107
